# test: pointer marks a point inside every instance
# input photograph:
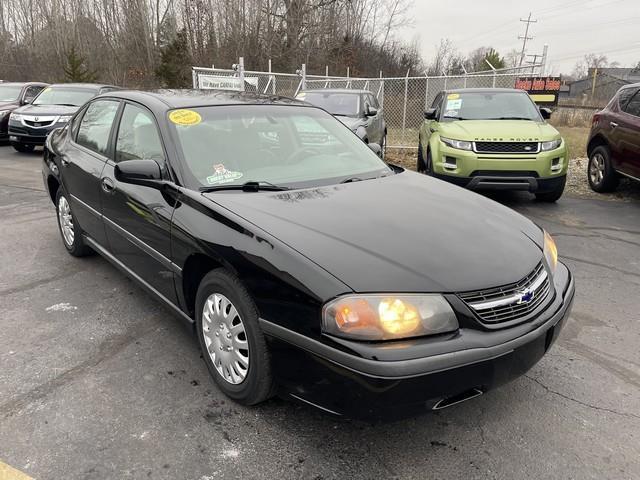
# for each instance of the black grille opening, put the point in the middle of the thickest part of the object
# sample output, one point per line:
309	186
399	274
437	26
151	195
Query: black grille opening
506	147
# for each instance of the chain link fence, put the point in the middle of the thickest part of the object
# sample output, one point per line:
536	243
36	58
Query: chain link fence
403	99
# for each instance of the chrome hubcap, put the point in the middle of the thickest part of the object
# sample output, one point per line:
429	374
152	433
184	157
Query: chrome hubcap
225	338
66	221
596	168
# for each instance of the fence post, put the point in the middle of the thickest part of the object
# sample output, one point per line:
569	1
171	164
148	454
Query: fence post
404	107
426	93
241	72
304	76
194	78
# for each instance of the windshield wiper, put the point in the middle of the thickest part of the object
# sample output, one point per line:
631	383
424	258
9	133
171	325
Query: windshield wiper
509	118
66	104
246	187
455	118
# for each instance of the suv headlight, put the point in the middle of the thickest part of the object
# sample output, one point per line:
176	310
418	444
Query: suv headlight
16	117
64	118
552	145
550	251
459	144
388	316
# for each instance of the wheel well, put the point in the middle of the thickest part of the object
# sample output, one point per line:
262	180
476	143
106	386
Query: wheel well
195	268
596	141
53	184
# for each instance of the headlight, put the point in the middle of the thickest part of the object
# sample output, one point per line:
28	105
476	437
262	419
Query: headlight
16	117
388	317
550	251
64	119
459	144
552	145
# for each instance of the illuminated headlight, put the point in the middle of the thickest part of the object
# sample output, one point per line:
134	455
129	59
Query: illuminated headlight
552	145
64	119
550	252
459	144
15	117
388	317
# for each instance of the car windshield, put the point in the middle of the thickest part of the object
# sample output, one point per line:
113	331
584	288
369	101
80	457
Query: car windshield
489	106
285	146
347	104
64	96
9	93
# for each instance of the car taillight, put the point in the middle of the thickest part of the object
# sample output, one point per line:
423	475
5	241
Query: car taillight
594	121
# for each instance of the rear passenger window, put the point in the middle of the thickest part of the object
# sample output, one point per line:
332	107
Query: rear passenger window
95	126
138	137
624	96
633	106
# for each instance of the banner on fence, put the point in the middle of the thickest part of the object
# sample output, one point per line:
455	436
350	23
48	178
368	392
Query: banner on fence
225	83
545	91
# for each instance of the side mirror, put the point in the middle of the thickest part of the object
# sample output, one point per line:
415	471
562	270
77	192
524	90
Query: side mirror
371	111
139	172
375	148
430	113
546	113
27	100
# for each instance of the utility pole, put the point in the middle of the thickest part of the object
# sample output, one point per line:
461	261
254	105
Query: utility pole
526	37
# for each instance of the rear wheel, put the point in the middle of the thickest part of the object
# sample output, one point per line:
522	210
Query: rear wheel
70	231
552	195
23	147
602	176
233	346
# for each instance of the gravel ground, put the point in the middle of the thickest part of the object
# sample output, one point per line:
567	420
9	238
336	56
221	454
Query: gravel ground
577	184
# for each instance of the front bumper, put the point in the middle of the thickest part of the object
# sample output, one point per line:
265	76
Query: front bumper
28	135
345	383
539	172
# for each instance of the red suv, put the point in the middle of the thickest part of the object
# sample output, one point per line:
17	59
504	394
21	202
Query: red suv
614	141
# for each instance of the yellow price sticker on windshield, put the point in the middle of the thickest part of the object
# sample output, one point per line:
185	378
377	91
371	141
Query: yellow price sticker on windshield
453	96
185	117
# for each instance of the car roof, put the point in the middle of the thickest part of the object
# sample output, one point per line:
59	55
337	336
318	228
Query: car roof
486	90
170	99
337	90
88	86
24	84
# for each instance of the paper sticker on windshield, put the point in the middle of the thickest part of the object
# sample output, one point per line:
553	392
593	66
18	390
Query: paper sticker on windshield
222	175
455	104
453	96
185	117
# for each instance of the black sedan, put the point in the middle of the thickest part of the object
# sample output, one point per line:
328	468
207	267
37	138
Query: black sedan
52	108
308	268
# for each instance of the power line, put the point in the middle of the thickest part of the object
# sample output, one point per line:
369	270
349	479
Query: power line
526	37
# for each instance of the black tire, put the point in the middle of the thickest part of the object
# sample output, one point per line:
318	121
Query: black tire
257	386
552	195
420	165
428	164
77	247
23	147
600	173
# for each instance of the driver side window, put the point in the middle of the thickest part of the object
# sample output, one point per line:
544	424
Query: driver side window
437	104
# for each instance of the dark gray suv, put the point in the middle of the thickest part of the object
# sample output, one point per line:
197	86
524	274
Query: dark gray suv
357	109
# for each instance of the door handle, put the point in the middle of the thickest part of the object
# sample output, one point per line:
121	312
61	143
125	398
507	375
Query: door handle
613	124
107	185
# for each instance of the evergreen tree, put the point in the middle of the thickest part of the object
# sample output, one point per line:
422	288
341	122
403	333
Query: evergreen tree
76	70
174	70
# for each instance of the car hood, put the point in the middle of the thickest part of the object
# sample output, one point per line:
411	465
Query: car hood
8	105
47	110
498	130
402	233
351	122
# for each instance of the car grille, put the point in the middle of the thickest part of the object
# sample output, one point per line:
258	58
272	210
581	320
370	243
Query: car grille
506	147
510	302
44	123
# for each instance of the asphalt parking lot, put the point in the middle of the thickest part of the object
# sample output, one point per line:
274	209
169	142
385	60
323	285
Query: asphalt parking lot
99	381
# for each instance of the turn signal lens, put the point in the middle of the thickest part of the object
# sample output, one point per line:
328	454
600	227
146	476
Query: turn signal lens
386	317
550	251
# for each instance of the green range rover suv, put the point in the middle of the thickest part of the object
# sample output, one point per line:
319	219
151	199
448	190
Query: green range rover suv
493	139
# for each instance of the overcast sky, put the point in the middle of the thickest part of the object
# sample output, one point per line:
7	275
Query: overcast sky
572	28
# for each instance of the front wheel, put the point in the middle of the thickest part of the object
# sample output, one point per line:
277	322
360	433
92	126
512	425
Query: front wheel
233	346
420	165
552	195
23	147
